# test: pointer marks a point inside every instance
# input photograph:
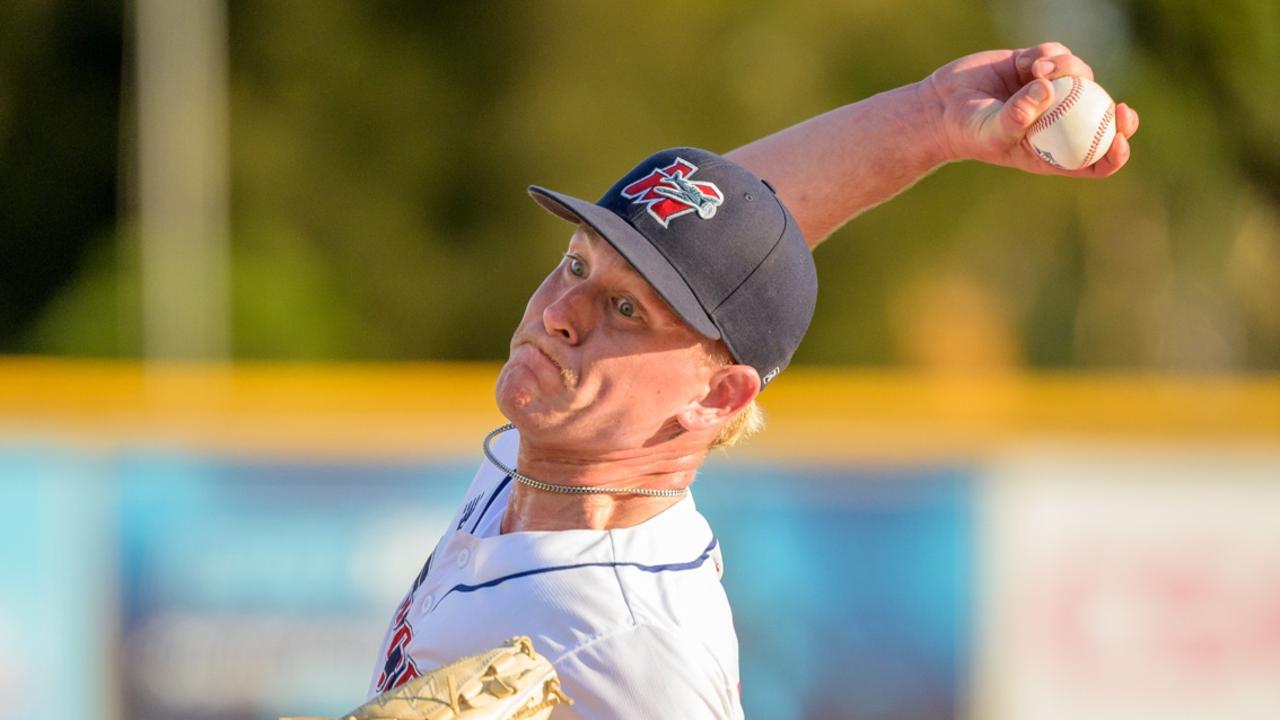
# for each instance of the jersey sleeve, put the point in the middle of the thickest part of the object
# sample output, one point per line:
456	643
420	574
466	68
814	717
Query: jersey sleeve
646	672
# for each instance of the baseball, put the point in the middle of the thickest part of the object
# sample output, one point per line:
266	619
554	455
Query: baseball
1078	128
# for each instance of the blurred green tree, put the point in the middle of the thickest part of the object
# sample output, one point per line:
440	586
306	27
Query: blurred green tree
60	66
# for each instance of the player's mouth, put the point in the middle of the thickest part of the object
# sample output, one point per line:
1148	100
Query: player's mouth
567	376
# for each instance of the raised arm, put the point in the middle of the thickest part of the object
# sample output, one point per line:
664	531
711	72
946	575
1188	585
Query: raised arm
830	168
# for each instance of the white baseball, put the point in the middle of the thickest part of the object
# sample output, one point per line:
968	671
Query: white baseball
1077	130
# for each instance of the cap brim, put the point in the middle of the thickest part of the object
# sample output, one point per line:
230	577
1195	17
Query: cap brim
638	251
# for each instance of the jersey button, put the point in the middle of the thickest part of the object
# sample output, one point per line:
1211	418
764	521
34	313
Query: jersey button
463	556
427	602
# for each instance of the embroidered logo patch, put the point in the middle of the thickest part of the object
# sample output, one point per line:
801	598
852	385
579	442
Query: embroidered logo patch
467	510
669	193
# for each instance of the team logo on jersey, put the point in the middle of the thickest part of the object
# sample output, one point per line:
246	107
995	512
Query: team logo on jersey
669	193
399	667
467	510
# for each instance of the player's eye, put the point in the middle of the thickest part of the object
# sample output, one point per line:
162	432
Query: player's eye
626	307
576	267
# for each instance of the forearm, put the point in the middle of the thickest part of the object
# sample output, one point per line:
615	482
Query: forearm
830	168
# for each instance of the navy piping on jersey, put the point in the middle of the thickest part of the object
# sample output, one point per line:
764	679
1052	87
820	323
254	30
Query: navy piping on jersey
422	574
492	497
669	567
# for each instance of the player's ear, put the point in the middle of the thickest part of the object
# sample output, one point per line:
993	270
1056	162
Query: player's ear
730	389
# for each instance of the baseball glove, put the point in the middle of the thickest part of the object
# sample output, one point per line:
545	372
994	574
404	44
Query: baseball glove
509	682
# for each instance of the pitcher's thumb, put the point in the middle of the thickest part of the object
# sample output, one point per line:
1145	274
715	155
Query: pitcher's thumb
1024	108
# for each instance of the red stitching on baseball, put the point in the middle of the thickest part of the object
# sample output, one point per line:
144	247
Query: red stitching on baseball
1097	136
1053	115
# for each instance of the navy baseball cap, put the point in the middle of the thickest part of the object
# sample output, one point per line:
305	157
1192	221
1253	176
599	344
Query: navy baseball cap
716	243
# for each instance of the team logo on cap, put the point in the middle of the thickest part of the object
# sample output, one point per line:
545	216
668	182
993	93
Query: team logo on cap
669	193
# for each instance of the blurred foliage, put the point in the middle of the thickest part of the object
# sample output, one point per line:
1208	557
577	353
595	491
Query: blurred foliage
59	108
380	152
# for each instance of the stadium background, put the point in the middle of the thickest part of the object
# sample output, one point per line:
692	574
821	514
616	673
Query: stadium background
261	260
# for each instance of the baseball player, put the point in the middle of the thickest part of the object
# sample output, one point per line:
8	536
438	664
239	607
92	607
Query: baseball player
682	294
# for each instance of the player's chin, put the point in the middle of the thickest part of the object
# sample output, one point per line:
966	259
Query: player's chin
521	393
529	416
514	390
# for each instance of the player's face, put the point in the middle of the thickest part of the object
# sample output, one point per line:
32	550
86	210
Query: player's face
600	361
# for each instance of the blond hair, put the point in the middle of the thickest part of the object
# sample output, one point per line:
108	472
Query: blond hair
747	422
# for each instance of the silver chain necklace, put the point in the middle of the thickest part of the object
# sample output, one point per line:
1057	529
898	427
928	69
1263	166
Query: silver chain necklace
568	489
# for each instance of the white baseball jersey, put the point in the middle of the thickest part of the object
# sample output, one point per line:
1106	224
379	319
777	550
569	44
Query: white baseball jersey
634	619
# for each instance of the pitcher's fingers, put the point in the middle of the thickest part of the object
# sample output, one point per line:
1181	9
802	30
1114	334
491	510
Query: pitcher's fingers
1126	120
1023	59
1052	47
1116	157
1061	66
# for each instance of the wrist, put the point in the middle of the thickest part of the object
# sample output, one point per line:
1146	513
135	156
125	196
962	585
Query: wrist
930	120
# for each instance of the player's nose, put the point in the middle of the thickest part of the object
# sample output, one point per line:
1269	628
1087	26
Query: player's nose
568	316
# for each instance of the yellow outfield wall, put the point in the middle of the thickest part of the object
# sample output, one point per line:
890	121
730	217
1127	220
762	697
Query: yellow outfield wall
410	410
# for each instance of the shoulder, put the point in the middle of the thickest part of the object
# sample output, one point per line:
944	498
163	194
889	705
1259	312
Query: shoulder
647	671
670	569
